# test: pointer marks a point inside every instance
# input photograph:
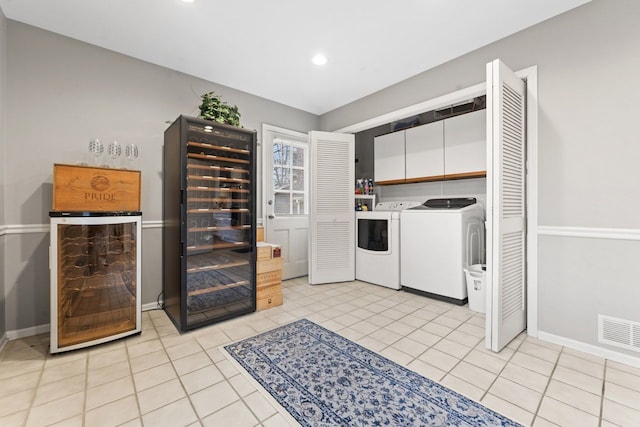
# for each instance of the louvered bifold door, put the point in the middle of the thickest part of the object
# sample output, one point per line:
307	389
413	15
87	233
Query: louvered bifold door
332	218
506	275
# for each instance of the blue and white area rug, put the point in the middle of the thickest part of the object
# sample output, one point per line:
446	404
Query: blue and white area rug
323	379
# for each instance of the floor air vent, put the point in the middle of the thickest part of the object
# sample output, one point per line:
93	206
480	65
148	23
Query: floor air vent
619	332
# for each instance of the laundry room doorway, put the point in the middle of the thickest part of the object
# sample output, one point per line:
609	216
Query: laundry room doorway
524	304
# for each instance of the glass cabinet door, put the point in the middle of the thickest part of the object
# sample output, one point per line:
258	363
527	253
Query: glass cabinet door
219	217
95	289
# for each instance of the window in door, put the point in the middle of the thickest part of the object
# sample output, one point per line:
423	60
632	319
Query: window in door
290	177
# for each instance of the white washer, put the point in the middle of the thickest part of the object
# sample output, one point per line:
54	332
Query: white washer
438	240
378	244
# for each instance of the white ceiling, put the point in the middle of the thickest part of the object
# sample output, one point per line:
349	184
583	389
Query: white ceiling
265	47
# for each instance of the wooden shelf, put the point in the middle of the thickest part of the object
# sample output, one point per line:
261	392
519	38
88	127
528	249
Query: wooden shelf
217	178
218	288
223	228
217	189
207	210
449	177
95	326
217	168
218	158
218	266
216	200
217	147
94	282
466	175
225	245
215	261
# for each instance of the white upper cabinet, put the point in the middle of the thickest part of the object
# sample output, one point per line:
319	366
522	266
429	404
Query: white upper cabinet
453	148
424	151
389	157
465	148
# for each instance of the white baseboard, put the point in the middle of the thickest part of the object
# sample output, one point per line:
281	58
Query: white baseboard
591	349
151	306
28	332
3	341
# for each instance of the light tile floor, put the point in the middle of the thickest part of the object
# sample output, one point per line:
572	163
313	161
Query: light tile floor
162	378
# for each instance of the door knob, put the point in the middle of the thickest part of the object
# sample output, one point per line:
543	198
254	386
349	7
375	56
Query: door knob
271	216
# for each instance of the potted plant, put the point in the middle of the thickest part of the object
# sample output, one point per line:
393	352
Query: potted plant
214	108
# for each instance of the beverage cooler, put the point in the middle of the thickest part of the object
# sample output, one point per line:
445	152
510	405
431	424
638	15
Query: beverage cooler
209	214
95	278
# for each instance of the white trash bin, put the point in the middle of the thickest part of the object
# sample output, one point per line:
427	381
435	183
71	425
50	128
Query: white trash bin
476	275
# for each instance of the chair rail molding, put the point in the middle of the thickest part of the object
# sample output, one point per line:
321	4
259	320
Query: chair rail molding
44	228
590	232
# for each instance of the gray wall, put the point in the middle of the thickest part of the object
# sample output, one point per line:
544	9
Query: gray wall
62	92
3	50
587	60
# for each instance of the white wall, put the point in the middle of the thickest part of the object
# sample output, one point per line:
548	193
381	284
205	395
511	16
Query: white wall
62	92
588	61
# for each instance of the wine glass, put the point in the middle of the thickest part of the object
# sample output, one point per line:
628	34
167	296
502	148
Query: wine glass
115	151
131	153
96	148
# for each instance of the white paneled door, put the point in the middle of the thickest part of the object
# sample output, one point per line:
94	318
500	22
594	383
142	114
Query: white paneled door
506	219
332	217
287	197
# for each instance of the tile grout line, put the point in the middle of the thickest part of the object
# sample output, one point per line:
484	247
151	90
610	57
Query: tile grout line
164	348
86	391
515	351
544	392
440	340
135	388
35	391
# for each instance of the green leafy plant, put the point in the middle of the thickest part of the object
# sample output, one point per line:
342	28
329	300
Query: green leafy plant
214	108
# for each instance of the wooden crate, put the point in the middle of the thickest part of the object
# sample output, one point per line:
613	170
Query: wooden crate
266	251
269	278
84	188
270	290
268	302
264	266
269	296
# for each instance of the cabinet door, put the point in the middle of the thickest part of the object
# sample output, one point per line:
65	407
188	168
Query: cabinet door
465	143
388	157
424	147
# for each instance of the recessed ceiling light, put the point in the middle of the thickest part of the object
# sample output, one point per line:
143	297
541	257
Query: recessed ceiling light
319	59
188	1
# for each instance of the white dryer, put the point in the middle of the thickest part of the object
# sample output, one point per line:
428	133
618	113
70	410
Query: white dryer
438	240
378	244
